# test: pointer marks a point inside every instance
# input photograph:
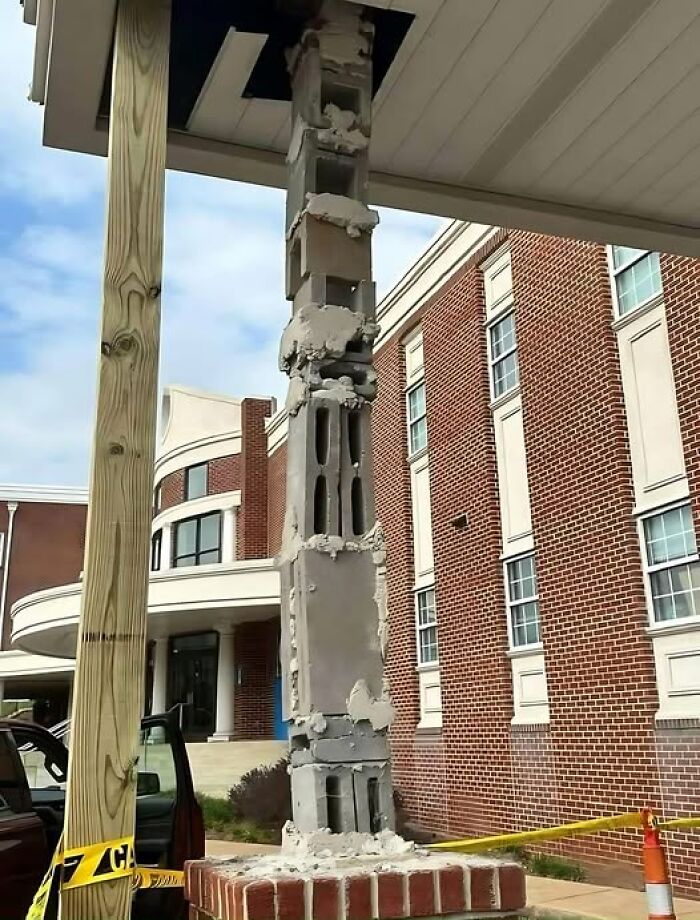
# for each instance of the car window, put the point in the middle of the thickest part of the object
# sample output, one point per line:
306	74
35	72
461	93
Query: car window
43	759
156	765
12	790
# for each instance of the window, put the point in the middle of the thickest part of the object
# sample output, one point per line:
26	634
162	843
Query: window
158	498
156	545
195	481
198	540
503	354
13	792
636	277
417	421
426	626
672	565
523	601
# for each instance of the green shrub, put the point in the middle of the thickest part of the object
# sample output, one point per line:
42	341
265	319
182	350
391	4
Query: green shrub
216	811
263	796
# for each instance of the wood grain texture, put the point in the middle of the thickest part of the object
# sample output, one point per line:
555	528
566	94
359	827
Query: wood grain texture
109	677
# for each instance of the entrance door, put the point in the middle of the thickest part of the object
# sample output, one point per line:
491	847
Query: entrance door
192	672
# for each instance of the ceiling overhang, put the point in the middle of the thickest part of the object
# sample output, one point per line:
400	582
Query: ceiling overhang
573	119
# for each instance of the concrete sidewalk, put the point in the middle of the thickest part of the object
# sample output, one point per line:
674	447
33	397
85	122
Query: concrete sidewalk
551	897
546	897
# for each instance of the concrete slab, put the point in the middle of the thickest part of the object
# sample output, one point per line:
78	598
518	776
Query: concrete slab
555	898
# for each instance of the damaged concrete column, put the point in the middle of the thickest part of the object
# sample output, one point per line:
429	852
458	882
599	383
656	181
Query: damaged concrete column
333	609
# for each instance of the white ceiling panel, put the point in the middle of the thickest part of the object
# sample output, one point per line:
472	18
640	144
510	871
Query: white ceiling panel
579	117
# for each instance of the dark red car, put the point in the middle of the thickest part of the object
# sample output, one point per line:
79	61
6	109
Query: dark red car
33	771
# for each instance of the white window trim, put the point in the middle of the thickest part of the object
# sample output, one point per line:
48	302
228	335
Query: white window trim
426	665
516	651
679	624
491	267
620	319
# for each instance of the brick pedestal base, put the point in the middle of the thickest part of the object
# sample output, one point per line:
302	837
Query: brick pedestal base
363	888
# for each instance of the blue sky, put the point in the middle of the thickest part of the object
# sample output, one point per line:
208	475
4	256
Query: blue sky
223	299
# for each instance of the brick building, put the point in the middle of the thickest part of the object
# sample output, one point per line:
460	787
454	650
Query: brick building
538	412
536	439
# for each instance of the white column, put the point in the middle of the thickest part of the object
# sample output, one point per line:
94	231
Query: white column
228	536
160	676
225	687
166	543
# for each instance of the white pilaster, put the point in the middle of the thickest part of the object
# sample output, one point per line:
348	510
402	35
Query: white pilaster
166	553
225	687
160	676
228	535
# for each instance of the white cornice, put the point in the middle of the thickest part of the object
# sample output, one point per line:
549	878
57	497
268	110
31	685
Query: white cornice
50	495
444	256
276	430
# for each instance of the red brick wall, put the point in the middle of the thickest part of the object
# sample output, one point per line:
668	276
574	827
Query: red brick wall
224	474
47	549
256	651
476	698
679	747
251	533
600	669
392	490
172	490
276	496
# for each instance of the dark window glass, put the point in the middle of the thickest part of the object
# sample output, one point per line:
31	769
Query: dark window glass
195	481
13	795
198	540
156	544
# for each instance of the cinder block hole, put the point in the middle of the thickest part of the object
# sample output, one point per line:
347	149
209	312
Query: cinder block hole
358	507
323	420
335	176
320	505
346	98
375	814
355	436
340	508
294	269
341	293
299	743
334	804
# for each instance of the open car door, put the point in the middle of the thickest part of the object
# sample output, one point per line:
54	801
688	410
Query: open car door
169	825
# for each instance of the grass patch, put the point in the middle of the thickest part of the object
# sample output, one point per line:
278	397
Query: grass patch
544	865
220	823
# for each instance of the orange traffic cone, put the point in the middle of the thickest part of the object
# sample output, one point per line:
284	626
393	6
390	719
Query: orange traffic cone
656	880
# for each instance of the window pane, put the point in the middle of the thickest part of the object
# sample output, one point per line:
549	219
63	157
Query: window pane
623	255
427	645
503	336
638	283
183	561
674	592
426	607
419	435
156	767
505	374
525	620
196	481
186	537
156	542
208	558
670	535
522	580
416	402
209	533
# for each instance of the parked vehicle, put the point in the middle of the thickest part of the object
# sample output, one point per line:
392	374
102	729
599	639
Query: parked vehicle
33	772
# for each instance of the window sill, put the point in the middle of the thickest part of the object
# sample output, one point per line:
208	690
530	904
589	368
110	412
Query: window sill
674	627
504	398
432	666
418	455
525	651
619	322
430	724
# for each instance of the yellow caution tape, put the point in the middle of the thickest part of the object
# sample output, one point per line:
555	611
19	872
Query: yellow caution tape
98	862
474	844
675	824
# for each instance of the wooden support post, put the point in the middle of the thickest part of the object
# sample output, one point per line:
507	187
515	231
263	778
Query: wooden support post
109	677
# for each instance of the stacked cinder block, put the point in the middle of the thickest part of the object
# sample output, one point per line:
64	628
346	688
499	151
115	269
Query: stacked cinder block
332	552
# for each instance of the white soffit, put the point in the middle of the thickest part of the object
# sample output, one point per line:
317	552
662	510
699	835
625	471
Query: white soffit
580	119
